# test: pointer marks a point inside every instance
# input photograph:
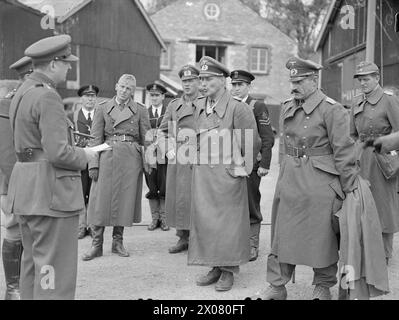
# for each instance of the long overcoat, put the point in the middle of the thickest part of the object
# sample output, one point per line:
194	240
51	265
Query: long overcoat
378	115
219	229
115	198
310	189
178	132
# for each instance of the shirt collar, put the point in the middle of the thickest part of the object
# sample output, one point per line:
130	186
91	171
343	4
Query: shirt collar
121	104
86	113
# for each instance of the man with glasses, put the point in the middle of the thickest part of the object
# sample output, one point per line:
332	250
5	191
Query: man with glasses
45	190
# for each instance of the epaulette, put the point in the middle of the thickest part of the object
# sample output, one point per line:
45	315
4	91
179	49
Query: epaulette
388	92
174	100
236	98
288	100
330	100
201	97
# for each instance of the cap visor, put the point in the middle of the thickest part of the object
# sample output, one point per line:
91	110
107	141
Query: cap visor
364	73
297	79
71	58
239	80
188	78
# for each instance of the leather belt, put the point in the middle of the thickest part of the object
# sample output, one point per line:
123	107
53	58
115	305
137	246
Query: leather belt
121	138
372	136
307	152
31	155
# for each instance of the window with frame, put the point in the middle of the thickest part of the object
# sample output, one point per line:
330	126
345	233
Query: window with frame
259	60
166	57
211	11
213	51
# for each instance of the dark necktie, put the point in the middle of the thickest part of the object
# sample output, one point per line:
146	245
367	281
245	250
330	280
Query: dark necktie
156	113
89	120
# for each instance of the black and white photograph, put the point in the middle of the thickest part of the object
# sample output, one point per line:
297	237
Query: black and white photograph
221	151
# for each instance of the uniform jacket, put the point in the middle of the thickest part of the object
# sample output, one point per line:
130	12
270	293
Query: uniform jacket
362	253
311	189
219	232
115	198
373	116
178	132
49	187
81	125
158	157
7	151
265	132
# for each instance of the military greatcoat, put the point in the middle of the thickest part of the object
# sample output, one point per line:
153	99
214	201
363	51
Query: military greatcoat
115	198
310	189
219	230
178	125
374	116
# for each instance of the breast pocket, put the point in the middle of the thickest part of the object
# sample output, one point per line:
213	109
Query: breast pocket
67	193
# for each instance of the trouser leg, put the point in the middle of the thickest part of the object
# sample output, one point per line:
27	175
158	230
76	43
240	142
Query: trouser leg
27	278
254	196
155	208
388	244
162	215
278	274
54	251
182	243
325	277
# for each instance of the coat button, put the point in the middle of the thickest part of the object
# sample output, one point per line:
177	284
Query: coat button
73	178
307	118
305	127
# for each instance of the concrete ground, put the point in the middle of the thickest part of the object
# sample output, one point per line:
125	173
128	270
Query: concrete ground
152	273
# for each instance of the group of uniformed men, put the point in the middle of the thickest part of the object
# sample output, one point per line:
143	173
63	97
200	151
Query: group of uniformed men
212	200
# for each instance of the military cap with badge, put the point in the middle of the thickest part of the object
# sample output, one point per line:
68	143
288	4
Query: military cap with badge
212	68
365	68
241	76
188	72
156	88
301	68
88	90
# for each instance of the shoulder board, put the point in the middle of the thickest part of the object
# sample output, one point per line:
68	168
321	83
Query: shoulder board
288	100
331	101
201	97
102	102
174	100
238	99
388	92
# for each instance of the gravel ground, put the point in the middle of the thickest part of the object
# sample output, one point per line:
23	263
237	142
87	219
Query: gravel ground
151	272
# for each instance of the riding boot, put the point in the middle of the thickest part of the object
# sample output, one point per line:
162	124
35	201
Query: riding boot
117	242
154	206
96	249
12	253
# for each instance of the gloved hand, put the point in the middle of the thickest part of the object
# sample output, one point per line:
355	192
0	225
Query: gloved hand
93	174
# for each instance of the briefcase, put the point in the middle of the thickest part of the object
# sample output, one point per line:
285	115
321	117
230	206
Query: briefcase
388	163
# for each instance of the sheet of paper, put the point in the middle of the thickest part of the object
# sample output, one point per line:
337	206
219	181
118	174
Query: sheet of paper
101	147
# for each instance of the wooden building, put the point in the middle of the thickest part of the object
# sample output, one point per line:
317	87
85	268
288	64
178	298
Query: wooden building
109	37
354	31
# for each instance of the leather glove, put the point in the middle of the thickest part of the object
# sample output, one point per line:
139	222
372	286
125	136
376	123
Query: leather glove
93	174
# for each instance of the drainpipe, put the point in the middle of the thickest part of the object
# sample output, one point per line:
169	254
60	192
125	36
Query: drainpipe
371	19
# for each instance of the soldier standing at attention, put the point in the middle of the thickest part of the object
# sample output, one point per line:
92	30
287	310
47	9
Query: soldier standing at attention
318	167
156	179
219	230
45	189
83	120
241	85
177	132
12	243
375	113
117	175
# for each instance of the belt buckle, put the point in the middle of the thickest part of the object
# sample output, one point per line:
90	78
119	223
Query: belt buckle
124	138
296	153
28	153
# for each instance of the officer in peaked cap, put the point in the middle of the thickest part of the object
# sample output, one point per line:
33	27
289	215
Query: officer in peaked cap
219	235
241	85
47	159
12	244
156	179
316	144
179	120
300	68
83	120
375	113
210	68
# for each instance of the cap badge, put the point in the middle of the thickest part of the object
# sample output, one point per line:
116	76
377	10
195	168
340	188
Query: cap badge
154	87
294	72
187	73
204	67
236	74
